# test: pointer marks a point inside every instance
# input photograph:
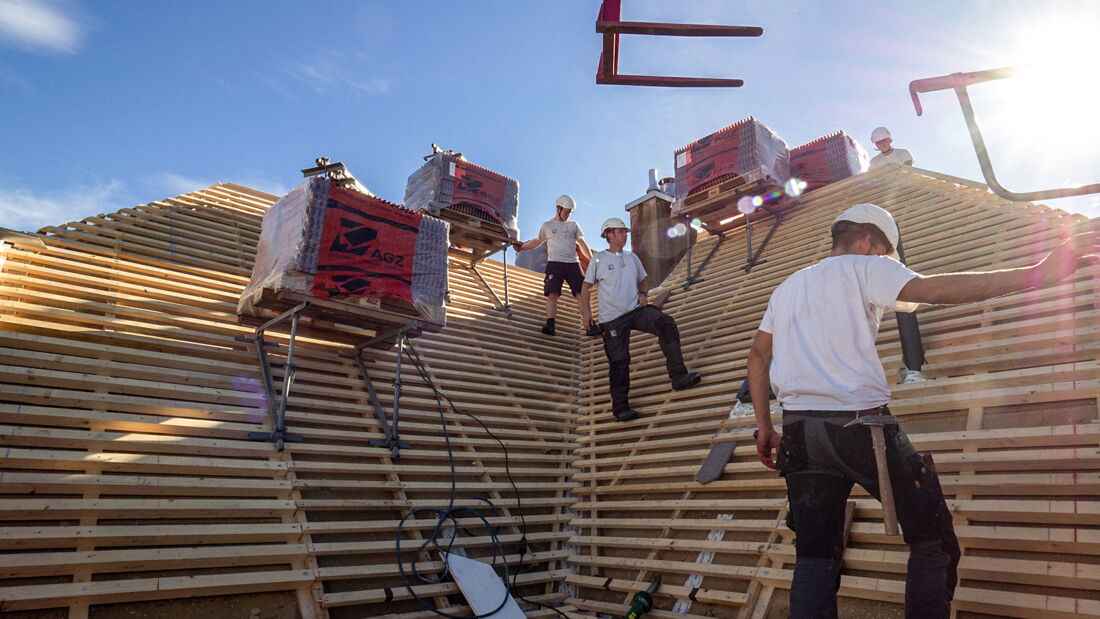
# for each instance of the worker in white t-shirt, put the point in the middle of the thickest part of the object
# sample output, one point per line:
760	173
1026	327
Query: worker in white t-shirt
816	350
884	142
620	278
563	237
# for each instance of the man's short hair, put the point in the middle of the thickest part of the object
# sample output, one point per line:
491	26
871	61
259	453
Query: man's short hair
846	233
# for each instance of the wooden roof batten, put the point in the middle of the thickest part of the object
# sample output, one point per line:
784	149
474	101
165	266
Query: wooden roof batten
126	402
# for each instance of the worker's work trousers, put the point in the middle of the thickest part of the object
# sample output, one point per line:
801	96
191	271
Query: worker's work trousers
912	348
616	344
821	460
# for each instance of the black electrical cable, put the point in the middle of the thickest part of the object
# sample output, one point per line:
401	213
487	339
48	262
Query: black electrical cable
450	514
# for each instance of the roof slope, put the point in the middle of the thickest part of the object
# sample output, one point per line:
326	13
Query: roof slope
126	402
1011	416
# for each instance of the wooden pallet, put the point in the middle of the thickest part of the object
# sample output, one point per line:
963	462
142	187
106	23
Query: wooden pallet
389	314
713	205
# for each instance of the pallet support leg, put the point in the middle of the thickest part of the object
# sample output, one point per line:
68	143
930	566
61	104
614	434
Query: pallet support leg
276	408
393	440
693	276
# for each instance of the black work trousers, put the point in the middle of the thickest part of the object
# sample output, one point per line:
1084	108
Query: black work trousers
616	344
912	348
821	461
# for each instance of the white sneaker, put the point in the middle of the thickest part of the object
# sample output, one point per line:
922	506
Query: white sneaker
908	376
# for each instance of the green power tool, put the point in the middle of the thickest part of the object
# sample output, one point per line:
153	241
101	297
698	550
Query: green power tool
643	600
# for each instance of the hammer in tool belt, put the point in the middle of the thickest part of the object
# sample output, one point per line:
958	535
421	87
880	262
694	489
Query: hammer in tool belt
876	423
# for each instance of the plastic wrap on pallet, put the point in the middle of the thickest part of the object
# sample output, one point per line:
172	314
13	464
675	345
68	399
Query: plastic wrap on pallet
448	181
328	242
739	148
828	159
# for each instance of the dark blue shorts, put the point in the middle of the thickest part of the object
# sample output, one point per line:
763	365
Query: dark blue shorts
558	273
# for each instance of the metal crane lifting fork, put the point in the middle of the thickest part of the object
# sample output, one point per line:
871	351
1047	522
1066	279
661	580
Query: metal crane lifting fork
958	82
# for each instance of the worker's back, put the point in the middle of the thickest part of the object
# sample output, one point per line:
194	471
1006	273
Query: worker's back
824	320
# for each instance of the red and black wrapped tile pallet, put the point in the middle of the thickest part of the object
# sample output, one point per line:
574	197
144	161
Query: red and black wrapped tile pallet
449	181
743	147
828	159
327	242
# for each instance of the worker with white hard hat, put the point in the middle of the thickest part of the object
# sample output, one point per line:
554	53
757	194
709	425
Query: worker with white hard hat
563	237
887	153
816	350
624	307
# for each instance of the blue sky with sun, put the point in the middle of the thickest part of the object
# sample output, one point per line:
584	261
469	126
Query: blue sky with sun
110	104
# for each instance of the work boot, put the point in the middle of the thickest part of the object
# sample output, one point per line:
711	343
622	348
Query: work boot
685	380
626	414
548	328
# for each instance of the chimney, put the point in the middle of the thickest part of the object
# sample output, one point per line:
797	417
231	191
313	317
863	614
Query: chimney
658	237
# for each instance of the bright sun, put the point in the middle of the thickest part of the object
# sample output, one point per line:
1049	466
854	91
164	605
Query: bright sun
1046	117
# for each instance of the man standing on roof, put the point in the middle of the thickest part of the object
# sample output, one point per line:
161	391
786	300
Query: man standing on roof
562	237
620	278
887	153
816	348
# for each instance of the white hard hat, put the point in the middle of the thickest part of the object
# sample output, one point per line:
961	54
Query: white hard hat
879	217
879	134
611	224
566	202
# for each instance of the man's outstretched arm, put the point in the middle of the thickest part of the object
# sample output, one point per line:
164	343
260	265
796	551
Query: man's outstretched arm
760	358
951	288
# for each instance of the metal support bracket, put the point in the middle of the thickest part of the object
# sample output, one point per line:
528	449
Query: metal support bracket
393	440
754	258
276	404
959	82
693	276
498	304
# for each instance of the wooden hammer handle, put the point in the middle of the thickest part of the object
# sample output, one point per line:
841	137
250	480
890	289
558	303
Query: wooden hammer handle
886	491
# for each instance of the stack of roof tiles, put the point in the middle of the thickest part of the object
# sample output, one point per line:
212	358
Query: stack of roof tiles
828	159
742	147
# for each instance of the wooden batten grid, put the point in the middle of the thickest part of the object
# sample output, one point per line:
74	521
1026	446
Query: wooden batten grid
129	479
126	404
1011	416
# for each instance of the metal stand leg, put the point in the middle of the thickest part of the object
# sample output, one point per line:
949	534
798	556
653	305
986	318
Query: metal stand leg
499	305
693	276
392	441
276	408
754	258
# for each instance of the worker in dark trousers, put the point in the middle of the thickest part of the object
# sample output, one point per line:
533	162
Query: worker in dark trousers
912	348
624	307
816	349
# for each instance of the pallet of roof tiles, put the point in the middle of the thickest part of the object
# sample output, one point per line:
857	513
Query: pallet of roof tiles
350	255
827	160
481	203
712	173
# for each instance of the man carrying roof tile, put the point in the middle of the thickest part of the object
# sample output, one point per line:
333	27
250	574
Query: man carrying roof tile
620	278
562	237
816	349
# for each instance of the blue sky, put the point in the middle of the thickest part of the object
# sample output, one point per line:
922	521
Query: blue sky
110	104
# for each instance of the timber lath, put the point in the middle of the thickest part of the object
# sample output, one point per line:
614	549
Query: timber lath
130	484
1011	416
126	402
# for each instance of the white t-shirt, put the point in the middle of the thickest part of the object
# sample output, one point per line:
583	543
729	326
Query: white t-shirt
617	277
897	155
561	240
824	320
